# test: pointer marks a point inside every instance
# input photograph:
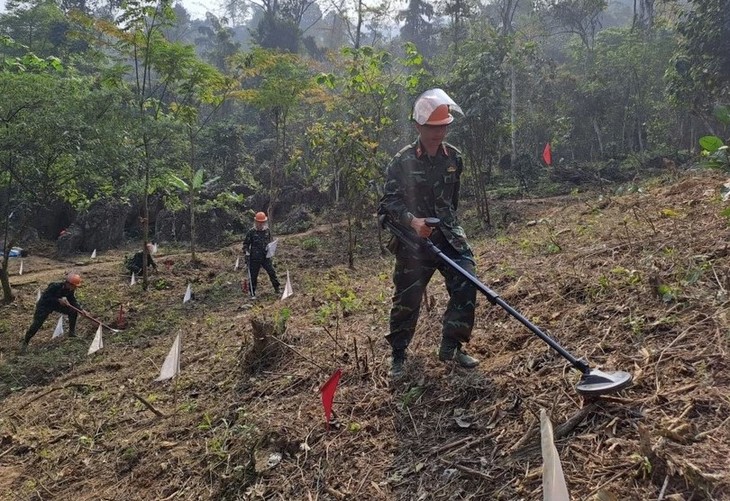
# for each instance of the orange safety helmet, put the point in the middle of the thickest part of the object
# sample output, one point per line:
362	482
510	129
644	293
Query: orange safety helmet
434	107
261	217
74	279
440	116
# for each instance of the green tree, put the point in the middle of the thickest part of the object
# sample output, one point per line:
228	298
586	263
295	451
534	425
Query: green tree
274	83
418	25
701	73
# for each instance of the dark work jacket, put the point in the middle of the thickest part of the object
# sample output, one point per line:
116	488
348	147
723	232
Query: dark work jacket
255	243
135	264
417	185
54	292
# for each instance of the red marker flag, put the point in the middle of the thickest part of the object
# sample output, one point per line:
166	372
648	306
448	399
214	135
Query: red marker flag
547	154
328	394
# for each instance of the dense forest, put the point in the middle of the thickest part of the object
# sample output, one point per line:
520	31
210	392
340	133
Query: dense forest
129	120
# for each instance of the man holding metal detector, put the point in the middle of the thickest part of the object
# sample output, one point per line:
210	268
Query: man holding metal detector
419	208
422	181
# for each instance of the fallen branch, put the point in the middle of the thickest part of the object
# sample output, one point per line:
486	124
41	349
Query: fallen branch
149	406
561	431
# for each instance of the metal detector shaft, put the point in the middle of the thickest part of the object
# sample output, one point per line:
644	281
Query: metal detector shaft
251	292
415	242
84	314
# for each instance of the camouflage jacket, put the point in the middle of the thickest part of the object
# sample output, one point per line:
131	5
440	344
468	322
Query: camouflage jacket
417	185
255	243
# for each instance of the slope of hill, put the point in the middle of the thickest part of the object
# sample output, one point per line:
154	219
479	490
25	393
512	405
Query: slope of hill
635	282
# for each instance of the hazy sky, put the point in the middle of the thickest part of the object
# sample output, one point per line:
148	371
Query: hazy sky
196	8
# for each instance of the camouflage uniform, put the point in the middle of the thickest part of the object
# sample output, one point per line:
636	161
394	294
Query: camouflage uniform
421	186
254	245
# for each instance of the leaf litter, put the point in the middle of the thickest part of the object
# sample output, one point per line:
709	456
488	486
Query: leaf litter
635	282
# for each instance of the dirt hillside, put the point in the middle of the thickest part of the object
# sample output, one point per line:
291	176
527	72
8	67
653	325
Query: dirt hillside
636	281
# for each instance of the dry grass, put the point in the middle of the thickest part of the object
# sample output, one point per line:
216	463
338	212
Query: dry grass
636	282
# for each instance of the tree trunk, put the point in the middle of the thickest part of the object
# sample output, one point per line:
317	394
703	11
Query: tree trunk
146	211
192	197
513	114
598	136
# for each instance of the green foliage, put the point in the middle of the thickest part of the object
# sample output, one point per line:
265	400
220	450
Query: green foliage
282	318
412	396
715	152
311	243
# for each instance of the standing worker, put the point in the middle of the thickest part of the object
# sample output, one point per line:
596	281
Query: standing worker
256	247
58	296
422	181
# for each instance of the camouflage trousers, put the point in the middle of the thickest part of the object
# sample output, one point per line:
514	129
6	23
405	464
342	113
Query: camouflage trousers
411	276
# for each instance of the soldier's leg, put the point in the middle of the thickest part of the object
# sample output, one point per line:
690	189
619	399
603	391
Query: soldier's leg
269	267
254	267
72	317
39	316
458	319
410	277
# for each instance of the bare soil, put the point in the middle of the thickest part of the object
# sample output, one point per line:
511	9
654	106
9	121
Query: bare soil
637	282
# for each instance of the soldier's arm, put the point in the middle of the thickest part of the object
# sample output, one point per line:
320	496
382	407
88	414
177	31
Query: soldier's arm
393	201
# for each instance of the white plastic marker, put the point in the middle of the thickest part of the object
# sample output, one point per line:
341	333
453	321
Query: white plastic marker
132	281
93	254
98	343
20	271
238	260
59	328
188	294
171	366
38	296
554	487
154	248
271	249
287	288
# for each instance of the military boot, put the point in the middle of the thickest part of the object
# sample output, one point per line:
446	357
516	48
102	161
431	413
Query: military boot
451	350
397	364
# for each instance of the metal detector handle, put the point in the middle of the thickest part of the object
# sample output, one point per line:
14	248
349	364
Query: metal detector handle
415	242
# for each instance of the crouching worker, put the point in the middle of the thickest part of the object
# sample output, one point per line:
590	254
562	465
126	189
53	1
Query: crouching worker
135	264
58	296
255	247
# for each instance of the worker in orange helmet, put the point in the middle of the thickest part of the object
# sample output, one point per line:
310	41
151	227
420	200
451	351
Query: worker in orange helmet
58	296
423	181
256	246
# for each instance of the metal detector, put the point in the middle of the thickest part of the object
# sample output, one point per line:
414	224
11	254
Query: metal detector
251	292
593	381
84	314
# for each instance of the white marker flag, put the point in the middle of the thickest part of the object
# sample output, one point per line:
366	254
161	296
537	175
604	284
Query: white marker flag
132	280
238	260
98	343
20	271
188	294
287	288
271	249
59	328
171	366
38	296
93	254
554	487
154	248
